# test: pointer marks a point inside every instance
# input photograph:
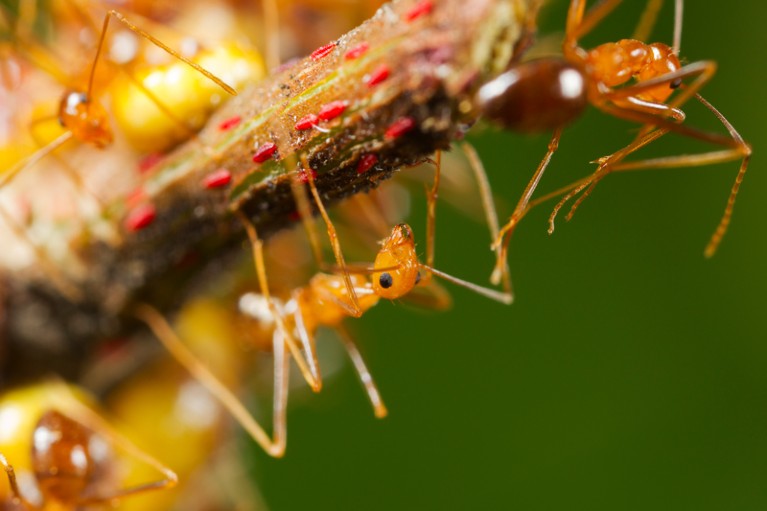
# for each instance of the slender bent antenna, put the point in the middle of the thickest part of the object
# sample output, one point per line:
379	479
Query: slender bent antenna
498	296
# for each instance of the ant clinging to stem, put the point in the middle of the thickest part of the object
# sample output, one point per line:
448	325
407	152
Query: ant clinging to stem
628	79
83	117
325	302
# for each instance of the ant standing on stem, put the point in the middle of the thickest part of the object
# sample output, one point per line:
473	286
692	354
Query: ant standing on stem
549	93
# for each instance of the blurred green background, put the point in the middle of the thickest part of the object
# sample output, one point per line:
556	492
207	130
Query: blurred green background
631	371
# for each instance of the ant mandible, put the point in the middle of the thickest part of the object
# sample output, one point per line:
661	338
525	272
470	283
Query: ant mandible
549	93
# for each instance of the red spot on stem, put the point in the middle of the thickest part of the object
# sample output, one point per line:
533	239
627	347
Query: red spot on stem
399	128
332	110
136	196
366	162
217	179
307	122
230	123
149	161
323	51
264	152
140	217
357	51
378	75
304	178
420	9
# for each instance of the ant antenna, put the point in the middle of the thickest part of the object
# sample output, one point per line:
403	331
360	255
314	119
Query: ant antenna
503	297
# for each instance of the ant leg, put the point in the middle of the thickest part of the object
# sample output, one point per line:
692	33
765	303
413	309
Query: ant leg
58	278
11	474
258	258
501	274
90	419
305	213
580	24
122	19
189	131
649	18
678	16
501	242
656	114
622	103
370	211
156	101
280	399
73	175
152	97
735	146
271	33
431	209
379	408
167	336
605	166
740	150
307	340
334	243
32	160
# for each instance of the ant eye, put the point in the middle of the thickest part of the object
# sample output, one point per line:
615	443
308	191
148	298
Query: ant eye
386	280
676	83
417	278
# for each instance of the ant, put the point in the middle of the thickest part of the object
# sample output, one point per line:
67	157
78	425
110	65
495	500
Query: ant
71	452
549	93
84	118
325	302
80	113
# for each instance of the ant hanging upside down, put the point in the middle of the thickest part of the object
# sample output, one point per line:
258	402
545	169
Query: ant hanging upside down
628	79
326	301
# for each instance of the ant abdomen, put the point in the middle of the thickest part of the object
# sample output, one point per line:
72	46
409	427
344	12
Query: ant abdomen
536	96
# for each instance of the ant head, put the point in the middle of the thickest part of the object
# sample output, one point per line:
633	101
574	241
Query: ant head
399	258
65	457
85	118
661	60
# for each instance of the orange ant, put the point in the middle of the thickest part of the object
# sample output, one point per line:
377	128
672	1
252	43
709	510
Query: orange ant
325	301
549	93
71	456
84	118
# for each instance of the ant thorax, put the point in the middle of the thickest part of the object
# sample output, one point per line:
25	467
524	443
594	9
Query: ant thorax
325	300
